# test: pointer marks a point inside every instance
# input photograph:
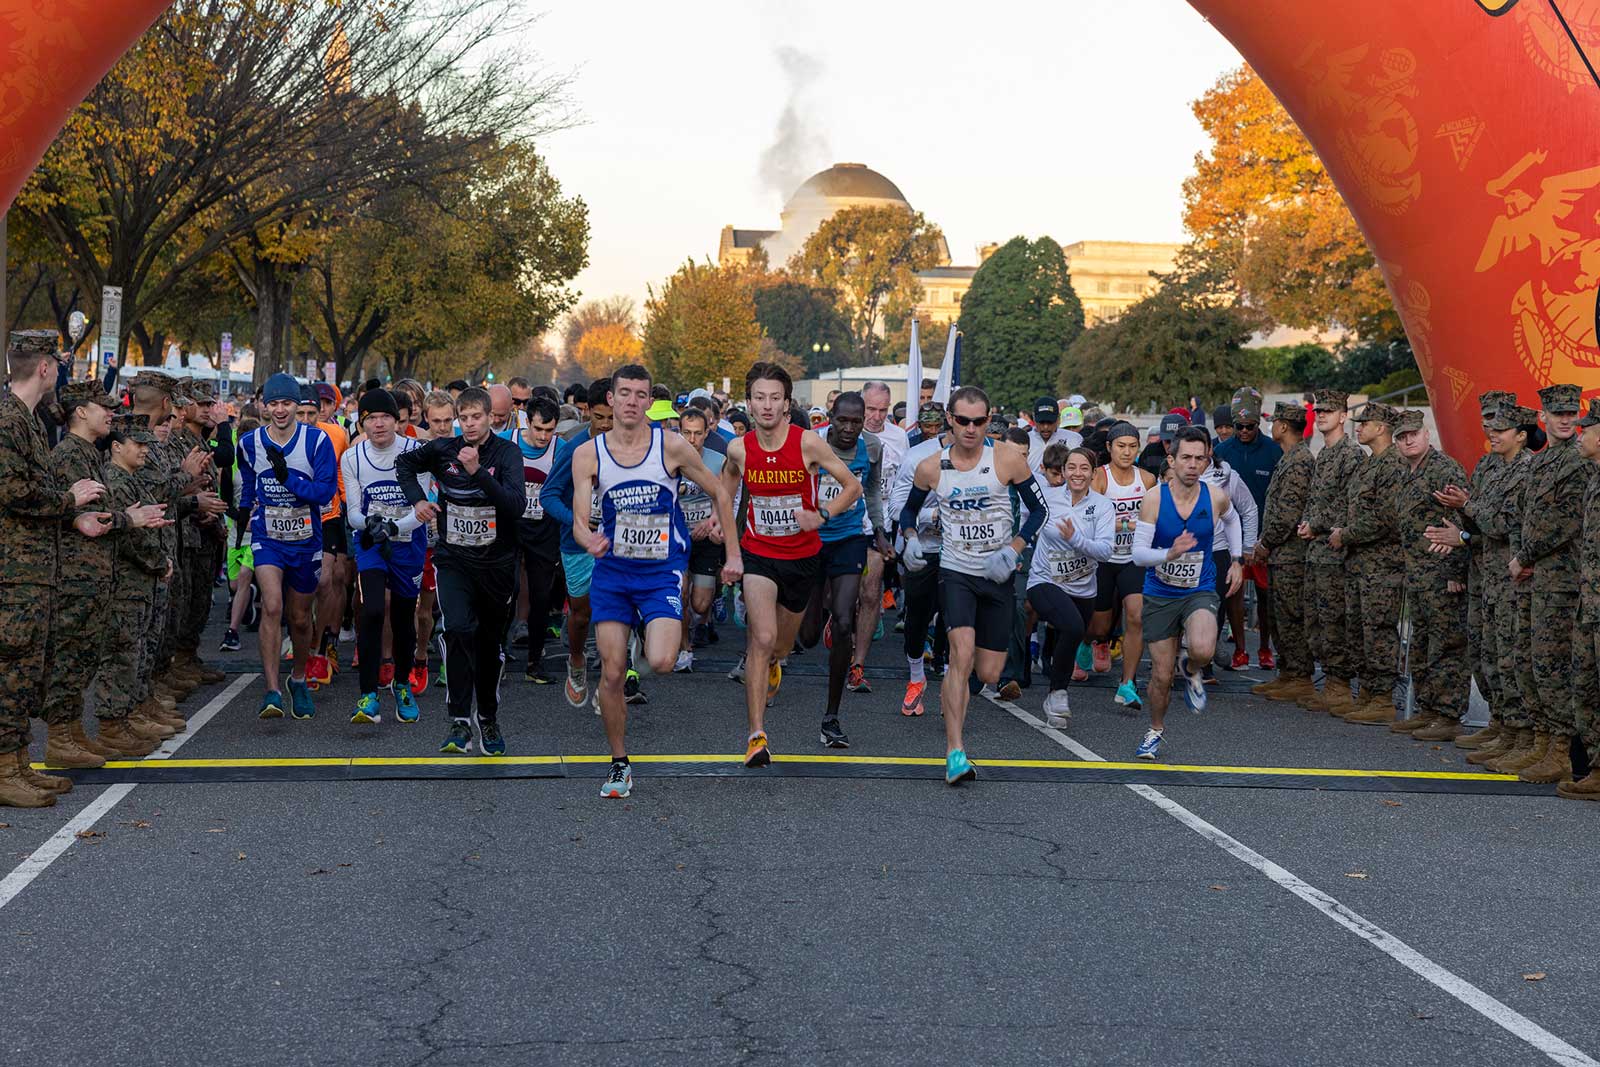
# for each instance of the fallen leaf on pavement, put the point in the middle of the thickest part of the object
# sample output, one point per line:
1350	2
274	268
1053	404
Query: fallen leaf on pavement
240	856
1355	874
1392	803
86	834
1219	888
319	870
216	830
1534	976
5	826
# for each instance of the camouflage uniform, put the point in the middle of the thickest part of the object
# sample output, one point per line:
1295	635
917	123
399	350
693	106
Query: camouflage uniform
1552	523
1480	642
141	560
198	544
1440	673
1328	507
161	482
1586	645
1285	507
33	509
1493	511
1377	563
82	626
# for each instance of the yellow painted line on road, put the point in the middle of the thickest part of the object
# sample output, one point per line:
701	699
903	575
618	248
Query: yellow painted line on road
867	761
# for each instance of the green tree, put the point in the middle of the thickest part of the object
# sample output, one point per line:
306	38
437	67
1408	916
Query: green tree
1179	341
870	256
701	326
1018	320
797	316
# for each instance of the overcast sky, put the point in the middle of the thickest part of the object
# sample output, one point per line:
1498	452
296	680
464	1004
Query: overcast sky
994	119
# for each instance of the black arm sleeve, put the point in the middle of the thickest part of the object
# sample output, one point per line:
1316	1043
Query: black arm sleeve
505	487
914	501
1037	509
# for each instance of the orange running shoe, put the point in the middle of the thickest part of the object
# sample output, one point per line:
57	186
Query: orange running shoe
774	681
419	679
756	752
318	670
888	600
857	681
1102	657
912	704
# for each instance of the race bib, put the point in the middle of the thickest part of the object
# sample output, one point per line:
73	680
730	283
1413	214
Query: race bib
534	508
287	524
392	512
978	536
1122	545
695	510
775	516
641	536
1183	572
1068	566
828	490
469	527
597	514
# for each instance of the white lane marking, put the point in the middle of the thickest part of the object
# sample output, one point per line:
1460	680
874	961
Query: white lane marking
1503	1016
47	853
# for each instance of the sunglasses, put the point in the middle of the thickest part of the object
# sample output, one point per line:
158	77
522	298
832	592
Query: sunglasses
1327	411
964	420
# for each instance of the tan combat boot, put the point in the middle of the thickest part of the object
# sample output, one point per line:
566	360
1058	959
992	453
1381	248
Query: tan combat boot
1416	722
1336	694
1479	738
1295	688
1314	700
48	783
81	736
15	789
1587	788
140	723
1518	746
1273	688
161	696
1555	766
1373	712
191	664
61	750
1443	728
1515	761
119	735
1492	750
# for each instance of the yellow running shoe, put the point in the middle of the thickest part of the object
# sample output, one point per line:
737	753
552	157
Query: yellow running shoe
774	681
756	753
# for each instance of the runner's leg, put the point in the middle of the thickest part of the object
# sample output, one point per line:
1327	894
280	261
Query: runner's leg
369	626
870	607
269	635
842	593
1163	663
611	640
761	633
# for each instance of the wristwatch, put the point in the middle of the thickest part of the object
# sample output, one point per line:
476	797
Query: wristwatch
822	509
1465	537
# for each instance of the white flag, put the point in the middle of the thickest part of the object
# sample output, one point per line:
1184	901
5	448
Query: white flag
941	388
913	378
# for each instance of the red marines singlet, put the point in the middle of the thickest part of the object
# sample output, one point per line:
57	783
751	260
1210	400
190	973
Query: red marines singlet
777	487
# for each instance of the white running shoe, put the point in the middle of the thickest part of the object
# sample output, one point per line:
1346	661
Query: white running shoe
737	674
1057	710
685	663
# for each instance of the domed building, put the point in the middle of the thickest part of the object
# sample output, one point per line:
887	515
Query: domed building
843	185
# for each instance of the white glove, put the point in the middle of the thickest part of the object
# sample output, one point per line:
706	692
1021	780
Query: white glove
913	555
1000	566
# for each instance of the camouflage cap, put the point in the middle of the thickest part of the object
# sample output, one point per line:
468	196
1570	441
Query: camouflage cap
1334	398
1593	417
76	394
1494	399
154	379
134	428
1372	411
1289	411
1562	399
1245	405
1408	421
197	391
35	342
1510	416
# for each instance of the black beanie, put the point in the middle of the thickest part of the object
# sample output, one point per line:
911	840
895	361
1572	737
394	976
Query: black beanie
379	401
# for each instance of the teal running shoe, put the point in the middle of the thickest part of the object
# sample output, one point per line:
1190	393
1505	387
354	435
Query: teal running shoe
958	769
877	631
459	739
300	695
405	705
1128	696
366	709
619	781
493	741
1085	657
271	705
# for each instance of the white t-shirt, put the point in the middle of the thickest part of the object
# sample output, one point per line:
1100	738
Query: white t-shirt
1037	444
896	443
1073	565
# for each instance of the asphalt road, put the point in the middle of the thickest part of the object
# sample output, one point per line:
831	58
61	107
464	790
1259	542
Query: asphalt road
721	919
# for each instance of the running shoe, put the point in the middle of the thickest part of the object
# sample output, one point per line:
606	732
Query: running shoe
900	626
444	675
630	690
1057	710
756	752
1267	661
592	660
877	631
958	769
827	634
319	671
685	664
737	674
1150	746
405	705
419	679
331	654
1194	687
719	609
1128	696
774	681
1100	653
494	742
856	681
300	696
347	635
987	691
888	600
1208	676
537	675
459	739
619	781
912	704
1116	648
386	674
366	709
1085	657
1079	674
519	634
1241	660
230	641
1011	691
738	610
833	735
271	705
577	687
712	637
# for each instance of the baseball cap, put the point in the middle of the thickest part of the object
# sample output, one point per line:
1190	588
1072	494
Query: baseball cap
1045	410
326	392
661	411
1071	416
1170	425
931	412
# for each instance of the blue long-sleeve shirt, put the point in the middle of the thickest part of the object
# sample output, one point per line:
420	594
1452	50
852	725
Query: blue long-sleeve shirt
556	493
1253	463
312	482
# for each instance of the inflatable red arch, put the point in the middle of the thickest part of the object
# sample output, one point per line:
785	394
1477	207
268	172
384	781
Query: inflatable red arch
1465	135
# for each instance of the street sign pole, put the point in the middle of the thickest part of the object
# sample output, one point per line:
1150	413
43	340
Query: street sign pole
110	328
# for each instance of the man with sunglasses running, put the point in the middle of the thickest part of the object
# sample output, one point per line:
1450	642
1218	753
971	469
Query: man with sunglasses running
979	550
